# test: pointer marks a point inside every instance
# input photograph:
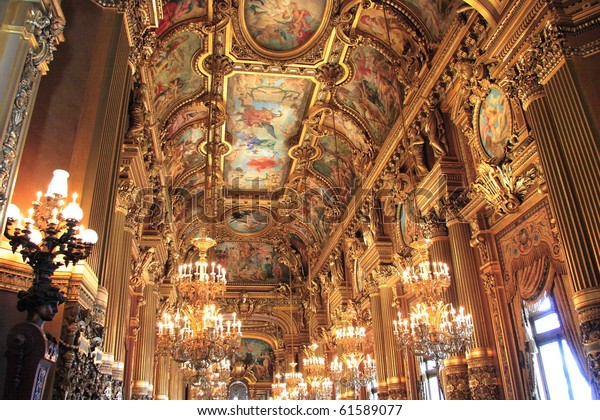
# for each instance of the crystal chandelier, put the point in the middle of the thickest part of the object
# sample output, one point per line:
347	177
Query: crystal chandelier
320	387
197	284
354	371
433	329
347	335
290	386
199	338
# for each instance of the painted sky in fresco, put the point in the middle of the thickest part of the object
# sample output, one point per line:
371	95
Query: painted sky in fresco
184	153
283	25
264	114
247	262
336	165
374	91
435	14
172	78
247	221
179	10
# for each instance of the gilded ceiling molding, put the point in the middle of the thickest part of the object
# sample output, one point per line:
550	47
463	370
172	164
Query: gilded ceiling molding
46	27
309	53
142	17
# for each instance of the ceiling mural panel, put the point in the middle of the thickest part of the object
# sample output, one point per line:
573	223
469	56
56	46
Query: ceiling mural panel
436	15
183	153
337	167
313	213
265	113
177	11
374	91
349	127
249	262
191	113
172	77
389	29
283	25
247	221
186	198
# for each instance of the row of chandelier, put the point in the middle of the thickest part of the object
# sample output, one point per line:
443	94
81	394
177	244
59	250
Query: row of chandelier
194	332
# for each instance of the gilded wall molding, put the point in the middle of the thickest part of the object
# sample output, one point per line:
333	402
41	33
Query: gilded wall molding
489	283
46	28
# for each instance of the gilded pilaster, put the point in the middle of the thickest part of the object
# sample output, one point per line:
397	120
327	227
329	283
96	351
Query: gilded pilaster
161	380
115	275
469	294
566	142
466	278
378	338
143	374
396	382
176	385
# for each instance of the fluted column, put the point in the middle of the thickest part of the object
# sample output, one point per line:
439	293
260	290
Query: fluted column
470	295
567	142
455	378
396	381
116	281
176	385
161	380
143	371
379	342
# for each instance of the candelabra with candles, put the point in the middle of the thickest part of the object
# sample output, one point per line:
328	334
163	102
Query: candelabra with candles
320	387
199	340
354	371
49	237
197	284
434	330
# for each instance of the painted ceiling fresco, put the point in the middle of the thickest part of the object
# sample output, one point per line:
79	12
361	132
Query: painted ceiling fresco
250	262
374	92
273	63
172	75
265	112
178	11
283	25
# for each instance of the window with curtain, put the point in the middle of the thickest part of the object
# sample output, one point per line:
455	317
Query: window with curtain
557	375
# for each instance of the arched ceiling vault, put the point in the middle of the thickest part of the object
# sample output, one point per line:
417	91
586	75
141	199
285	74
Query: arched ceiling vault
270	113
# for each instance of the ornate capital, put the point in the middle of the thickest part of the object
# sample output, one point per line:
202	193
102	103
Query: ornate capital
433	224
547	52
